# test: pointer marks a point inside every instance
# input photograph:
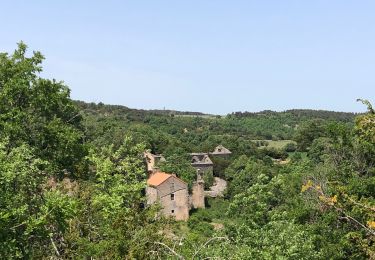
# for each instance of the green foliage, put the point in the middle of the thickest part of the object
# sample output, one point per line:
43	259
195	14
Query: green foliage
365	126
199	222
275	240
178	162
59	201
290	147
220	165
31	215
274	153
113	221
244	172
38	111
120	177
255	204
195	132
307	133
208	178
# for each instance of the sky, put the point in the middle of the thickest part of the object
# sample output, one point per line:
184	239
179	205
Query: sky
212	56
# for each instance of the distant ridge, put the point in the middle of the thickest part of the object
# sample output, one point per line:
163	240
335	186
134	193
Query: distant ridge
302	113
86	105
297	113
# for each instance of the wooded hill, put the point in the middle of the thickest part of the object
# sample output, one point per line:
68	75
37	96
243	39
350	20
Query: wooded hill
72	178
196	131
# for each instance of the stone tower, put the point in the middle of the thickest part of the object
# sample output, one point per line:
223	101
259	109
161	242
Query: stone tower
198	192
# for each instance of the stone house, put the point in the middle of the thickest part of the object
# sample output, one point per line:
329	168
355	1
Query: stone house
221	151
152	161
172	194
202	162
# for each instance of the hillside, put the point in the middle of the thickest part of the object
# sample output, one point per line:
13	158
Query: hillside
75	182
197	131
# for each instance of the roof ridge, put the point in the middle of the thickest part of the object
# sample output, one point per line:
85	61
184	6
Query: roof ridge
159	178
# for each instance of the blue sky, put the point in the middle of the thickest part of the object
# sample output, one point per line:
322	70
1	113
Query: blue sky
203	55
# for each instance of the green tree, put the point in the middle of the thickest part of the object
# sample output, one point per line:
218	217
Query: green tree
38	111
307	133
244	172
33	218
341	185
365	124
113	222
290	147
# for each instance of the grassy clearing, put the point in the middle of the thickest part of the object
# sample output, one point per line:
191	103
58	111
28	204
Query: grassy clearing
280	144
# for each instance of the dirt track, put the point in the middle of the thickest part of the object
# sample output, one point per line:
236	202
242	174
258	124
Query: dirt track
217	190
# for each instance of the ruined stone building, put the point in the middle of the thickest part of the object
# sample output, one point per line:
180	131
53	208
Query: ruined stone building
172	194
152	161
197	196
221	151
202	162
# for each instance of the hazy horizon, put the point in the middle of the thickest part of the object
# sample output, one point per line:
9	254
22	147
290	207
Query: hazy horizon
212	57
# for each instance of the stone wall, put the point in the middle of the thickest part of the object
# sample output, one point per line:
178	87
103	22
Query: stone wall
173	197
204	168
197	198
151	195
178	207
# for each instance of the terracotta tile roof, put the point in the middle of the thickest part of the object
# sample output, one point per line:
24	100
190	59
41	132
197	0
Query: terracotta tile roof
158	178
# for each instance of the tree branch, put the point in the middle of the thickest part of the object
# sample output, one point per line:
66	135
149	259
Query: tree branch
54	246
170	249
209	241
